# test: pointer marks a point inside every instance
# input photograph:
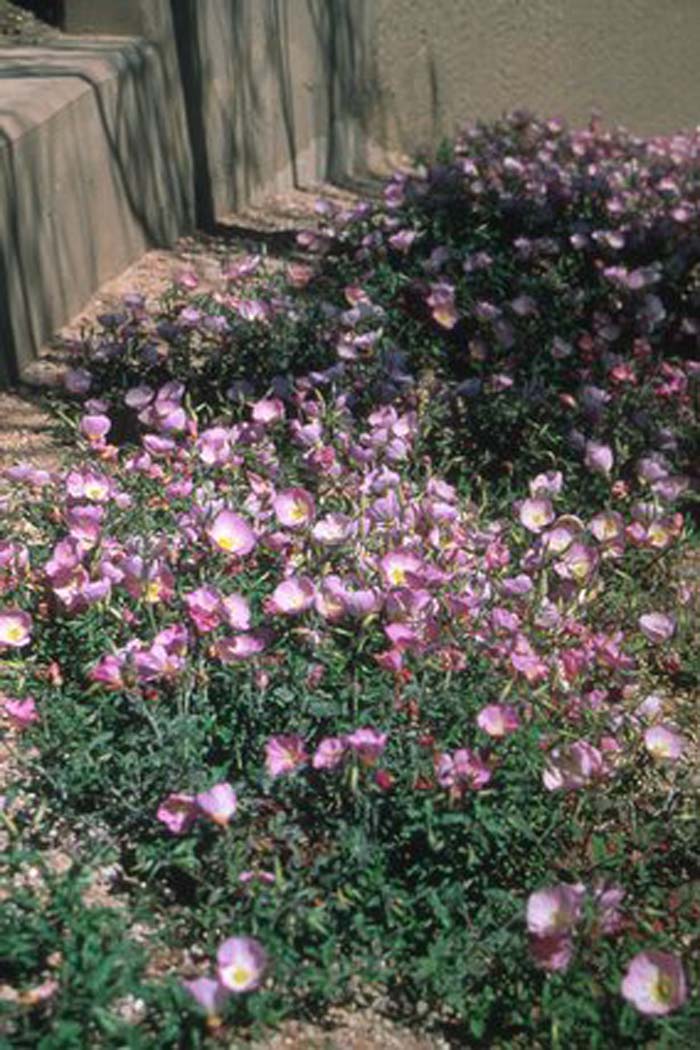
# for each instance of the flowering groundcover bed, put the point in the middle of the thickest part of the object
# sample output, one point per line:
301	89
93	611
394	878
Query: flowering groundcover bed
360	634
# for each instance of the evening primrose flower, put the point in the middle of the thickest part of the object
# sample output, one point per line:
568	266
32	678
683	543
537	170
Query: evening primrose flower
657	627
536	514
219	803
284	754
654	983
208	993
241	963
294	508
21	713
231	534
399	566
498	719
598	458
664	742
292	596
15	629
575	766
177	812
554	909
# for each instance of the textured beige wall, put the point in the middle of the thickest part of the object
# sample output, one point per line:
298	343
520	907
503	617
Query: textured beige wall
438	63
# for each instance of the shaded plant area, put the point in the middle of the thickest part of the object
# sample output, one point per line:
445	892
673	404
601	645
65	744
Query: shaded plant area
30	23
359	635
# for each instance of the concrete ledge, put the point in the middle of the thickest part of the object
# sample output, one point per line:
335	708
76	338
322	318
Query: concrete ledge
93	170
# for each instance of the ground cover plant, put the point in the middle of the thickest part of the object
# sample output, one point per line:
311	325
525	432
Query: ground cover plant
359	637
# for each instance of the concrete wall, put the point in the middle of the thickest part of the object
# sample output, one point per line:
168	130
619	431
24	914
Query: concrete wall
438	63
93	170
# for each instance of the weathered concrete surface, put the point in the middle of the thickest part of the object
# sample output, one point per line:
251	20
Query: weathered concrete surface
441	63
93	170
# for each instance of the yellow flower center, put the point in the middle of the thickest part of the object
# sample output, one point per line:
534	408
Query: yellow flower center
238	976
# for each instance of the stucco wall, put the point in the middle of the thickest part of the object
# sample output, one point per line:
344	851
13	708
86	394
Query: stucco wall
442	62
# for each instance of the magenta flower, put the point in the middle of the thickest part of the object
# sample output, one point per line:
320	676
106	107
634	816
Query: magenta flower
208	993
664	742
598	458
498	719
654	983
214	446
294	508
552	952
22	713
177	812
292	596
231	534
269	410
656	627
219	803
399	567
15	629
333	530
236	611
77	381
555	909
574	766
241	964
329	753
242	646
204	608
442	304
368	744
536	514
284	754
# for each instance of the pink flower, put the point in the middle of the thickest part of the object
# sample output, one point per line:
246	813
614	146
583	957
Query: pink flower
208	993
231	534
329	753
22	713
95	428
241	963
294	508
333	530
536	514
578	564
204	608
236	611
399	567
177	812
498	719
598	458
368	743
269	410
219	803
284	754
292	596
555	909
553	952
15	629
654	983
77	381
608	903
442	303
664	742
574	766
656	627
242	646
464	770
